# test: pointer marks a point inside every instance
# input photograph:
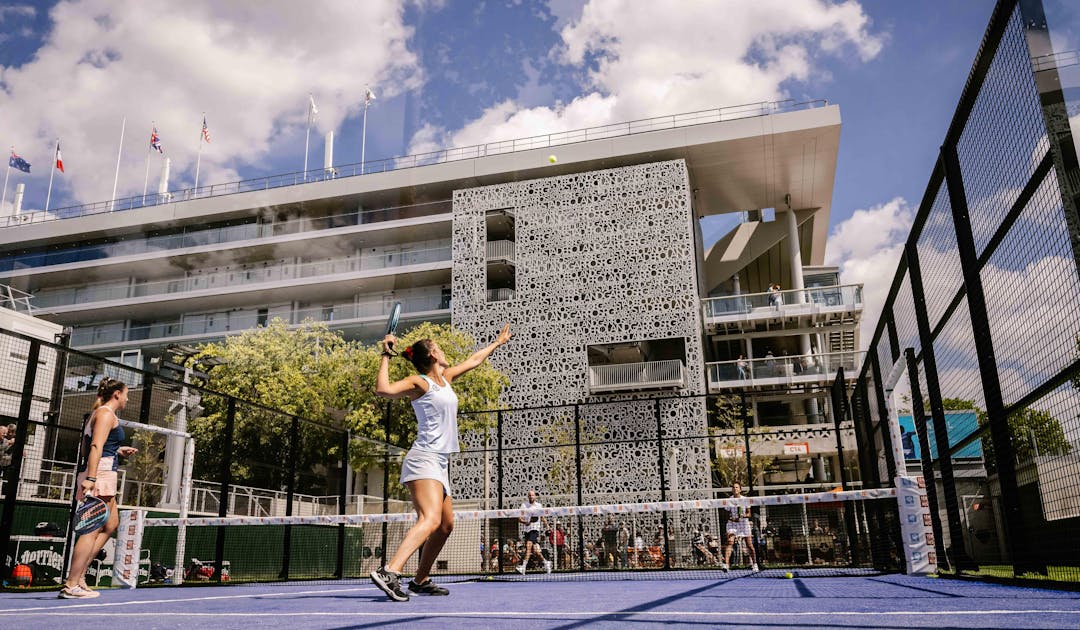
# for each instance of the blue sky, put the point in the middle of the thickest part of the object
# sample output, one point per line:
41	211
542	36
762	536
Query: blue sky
473	56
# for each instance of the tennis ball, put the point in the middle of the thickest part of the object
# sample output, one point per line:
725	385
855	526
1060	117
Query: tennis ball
788	575
490	579
552	159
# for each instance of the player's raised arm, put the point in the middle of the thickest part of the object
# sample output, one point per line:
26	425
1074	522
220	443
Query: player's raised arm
479	356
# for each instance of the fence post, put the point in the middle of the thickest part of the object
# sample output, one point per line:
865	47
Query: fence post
499	481
7	519
937	408
841	410
1020	550
663	480
577	477
919	417
290	491
746	442
343	498
385	480
225	488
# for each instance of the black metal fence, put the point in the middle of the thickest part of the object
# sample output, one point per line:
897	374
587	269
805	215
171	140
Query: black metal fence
983	318
251	460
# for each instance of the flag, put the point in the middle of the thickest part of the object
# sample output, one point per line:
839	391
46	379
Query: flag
19	163
59	160
205	131
155	141
368	97
314	110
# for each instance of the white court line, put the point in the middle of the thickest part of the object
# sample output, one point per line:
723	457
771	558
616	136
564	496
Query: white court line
197	599
541	614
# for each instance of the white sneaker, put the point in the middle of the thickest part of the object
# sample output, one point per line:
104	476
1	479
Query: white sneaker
521	569
753	567
77	592
723	567
547	567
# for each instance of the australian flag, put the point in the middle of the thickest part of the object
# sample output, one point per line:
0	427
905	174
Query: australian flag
17	162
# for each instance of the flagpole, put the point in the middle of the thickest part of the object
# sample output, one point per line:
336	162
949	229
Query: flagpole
307	137
52	171
7	174
198	160
146	177
363	136
119	152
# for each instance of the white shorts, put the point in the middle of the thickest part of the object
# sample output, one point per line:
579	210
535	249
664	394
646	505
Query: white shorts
739	528
426	465
105	486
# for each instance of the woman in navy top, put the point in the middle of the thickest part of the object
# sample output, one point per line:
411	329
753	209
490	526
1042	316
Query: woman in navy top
102	438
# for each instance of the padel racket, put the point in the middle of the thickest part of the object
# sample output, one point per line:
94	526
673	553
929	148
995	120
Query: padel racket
391	324
91	515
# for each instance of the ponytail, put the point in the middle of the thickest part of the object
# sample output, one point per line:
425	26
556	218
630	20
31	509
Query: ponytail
106	388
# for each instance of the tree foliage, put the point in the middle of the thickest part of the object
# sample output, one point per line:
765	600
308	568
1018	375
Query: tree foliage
730	429
1031	431
314	373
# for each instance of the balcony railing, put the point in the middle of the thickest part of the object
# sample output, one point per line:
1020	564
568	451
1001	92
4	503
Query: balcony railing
499	295
659	123
848	295
783	369
198	236
234	322
240	277
648	375
500	251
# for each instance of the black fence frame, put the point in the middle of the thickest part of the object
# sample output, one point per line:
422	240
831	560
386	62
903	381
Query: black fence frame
869	399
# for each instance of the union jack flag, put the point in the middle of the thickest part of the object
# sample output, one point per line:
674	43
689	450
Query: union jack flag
205	131
155	141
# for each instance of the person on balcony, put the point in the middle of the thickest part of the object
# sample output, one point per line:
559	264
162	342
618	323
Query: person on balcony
776	299
743	367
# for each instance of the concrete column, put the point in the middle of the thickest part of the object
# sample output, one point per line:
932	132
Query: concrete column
795	254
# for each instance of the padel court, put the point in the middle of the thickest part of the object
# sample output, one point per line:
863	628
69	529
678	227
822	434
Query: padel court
738	600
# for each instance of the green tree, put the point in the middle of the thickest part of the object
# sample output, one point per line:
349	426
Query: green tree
314	373
1031	431
729	431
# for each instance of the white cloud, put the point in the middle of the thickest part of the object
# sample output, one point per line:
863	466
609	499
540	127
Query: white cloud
642	59
17	11
867	248
249	67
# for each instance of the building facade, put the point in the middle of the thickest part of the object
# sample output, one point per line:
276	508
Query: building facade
597	262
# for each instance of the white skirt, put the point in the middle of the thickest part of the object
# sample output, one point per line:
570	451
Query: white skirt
426	465
739	528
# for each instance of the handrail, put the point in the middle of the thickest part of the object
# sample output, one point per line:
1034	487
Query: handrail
89	294
646	125
835	295
785	366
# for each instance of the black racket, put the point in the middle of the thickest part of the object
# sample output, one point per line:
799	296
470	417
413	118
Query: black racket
91	515
391	324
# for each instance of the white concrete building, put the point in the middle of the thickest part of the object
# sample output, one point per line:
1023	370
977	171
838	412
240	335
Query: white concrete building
597	261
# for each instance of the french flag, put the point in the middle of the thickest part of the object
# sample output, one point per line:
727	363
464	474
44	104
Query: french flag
59	160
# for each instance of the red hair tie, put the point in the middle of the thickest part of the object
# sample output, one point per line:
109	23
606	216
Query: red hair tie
408	353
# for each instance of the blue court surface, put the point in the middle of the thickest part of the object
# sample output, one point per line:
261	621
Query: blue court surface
891	601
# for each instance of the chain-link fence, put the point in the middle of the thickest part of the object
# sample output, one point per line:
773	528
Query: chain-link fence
983	319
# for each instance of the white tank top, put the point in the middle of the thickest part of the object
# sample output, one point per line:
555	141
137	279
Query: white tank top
436	419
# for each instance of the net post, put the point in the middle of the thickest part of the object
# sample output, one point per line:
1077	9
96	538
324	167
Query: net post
577	477
919	416
185	501
290	492
22	428
224	489
663	480
343	490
